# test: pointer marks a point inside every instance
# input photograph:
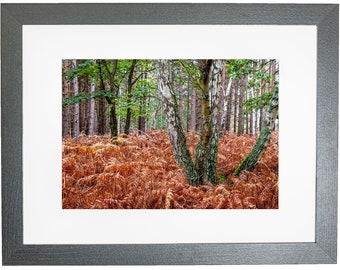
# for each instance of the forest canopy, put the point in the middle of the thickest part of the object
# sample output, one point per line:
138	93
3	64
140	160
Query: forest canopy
197	107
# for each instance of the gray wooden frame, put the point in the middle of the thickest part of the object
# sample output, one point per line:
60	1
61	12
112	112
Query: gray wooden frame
323	251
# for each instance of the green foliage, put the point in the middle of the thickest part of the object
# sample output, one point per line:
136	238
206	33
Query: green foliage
143	98
257	103
257	78
75	99
239	67
86	68
98	94
82	96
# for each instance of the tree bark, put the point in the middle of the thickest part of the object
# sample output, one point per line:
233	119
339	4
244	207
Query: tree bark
112	101
260	146
236	89
91	120
201	148
193	111
180	96
142	120
206	149
83	105
229	105
65	109
76	106
175	130
141	117
129	97
212	146
240	124
188	106
251	117
222	99
225	98
198	112
101	103
262	90
204	166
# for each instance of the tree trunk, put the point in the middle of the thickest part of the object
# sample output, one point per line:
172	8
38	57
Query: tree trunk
206	149
65	109
235	105
247	115
112	101
255	94
193	111
272	73
113	122
101	116
180	96
141	117
222	99
101	103
204	167
229	105
83	105
175	130
129	97
225	97
188	106
201	148
240	129
212	146
76	106
251	122
260	146
142	120
91	120
262	90
198	112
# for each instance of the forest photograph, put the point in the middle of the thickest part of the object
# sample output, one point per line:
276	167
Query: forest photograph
170	133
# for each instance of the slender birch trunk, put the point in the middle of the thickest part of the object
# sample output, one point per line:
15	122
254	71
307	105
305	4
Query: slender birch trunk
175	130
260	146
226	105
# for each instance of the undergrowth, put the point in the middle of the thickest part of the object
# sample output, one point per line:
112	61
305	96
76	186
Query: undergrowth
139	172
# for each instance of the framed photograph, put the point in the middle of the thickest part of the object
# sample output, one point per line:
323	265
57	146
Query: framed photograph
161	134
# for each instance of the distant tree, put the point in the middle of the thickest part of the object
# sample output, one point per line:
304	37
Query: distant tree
236	90
229	105
240	124
65	109
76	106
91	109
130	84
101	102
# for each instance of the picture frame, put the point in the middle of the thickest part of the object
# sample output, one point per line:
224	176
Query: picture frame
322	251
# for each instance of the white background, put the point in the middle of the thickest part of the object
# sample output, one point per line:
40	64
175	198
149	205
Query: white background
250	267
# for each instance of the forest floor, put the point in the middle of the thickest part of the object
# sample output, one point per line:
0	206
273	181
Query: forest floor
139	172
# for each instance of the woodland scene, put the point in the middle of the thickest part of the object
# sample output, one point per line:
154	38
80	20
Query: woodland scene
170	133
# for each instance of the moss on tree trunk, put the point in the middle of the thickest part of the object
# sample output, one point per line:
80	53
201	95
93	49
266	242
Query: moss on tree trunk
203	167
260	146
